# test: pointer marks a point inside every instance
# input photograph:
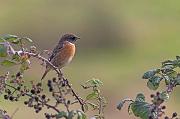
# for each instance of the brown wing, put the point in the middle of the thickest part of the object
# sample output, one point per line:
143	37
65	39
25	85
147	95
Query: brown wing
56	50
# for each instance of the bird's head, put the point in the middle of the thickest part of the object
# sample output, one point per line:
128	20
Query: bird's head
69	37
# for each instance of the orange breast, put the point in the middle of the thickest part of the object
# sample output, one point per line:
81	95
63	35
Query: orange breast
68	50
65	55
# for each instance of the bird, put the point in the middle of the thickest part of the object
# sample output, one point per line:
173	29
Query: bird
63	52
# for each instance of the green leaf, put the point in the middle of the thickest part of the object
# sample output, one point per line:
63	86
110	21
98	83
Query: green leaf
25	65
2	40
94	82
178	57
71	114
177	80
92	95
97	82
11	38
140	97
8	63
164	95
172	74
81	115
176	62
141	109
61	115
154	82
167	68
150	73
16	57
3	51
167	62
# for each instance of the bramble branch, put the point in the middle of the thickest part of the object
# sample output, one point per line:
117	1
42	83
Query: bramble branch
29	95
59	73
13	87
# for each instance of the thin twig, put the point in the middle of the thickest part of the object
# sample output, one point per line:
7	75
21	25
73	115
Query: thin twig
29	95
81	102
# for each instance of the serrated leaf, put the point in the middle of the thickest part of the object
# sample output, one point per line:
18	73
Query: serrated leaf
154	82
8	63
150	73
92	95
94	82
141	109
140	97
3	51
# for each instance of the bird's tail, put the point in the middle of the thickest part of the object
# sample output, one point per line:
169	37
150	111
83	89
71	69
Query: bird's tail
45	73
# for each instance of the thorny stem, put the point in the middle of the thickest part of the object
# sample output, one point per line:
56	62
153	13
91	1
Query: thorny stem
38	56
59	73
81	102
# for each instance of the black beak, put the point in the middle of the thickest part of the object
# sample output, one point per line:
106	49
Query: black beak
77	37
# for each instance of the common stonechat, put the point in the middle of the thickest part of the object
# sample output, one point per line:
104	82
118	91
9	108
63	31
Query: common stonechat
63	53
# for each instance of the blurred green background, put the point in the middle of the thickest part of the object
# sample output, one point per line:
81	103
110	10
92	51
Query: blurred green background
120	40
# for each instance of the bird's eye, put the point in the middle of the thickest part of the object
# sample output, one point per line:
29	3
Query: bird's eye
73	38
